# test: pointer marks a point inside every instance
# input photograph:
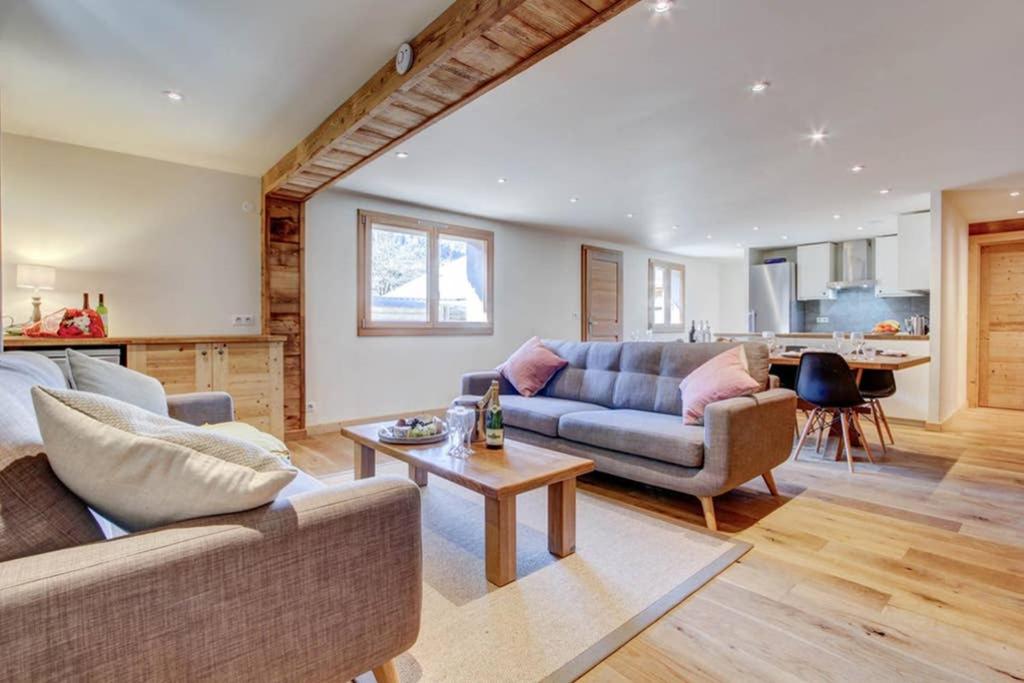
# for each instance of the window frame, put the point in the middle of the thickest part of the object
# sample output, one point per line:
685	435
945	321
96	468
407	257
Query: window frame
434	230
669	267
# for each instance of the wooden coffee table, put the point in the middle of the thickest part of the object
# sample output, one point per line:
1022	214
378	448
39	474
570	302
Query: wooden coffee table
499	476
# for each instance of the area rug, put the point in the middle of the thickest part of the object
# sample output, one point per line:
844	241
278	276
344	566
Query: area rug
562	616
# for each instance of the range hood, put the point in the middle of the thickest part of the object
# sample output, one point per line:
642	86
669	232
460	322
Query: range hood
856	265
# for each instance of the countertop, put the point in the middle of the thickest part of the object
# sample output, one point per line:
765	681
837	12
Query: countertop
827	335
21	342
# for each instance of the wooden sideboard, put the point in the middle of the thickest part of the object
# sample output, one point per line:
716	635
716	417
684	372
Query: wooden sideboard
250	368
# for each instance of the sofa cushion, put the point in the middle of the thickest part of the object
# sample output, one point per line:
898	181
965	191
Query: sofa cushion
109	379
724	376
537	414
591	373
652	435
141	470
531	366
37	512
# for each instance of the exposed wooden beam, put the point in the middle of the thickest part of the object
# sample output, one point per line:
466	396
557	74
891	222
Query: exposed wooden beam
473	47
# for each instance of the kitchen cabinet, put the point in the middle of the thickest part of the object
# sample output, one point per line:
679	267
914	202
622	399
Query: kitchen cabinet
251	371
887	268
815	268
914	251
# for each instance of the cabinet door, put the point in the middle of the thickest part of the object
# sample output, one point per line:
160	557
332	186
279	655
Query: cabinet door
814	269
180	368
253	374
915	253
886	265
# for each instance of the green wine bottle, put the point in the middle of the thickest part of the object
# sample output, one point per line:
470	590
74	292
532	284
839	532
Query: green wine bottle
104	315
494	422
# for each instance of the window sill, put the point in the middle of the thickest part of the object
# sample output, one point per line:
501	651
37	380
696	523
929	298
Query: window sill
439	331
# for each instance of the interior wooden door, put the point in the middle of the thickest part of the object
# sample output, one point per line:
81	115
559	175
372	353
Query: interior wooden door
1001	326
602	294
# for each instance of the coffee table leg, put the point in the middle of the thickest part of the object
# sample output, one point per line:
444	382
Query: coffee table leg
500	539
366	466
418	475
562	518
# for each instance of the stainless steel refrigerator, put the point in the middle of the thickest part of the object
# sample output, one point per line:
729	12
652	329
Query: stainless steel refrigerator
773	304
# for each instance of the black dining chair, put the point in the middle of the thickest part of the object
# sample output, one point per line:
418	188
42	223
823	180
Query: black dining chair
874	386
825	381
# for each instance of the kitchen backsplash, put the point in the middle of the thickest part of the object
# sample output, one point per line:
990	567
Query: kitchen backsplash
857	310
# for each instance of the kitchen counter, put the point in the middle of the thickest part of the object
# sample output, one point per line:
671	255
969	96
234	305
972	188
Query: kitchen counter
826	335
22	342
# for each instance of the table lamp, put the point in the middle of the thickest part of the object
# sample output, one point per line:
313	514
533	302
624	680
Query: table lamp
36	278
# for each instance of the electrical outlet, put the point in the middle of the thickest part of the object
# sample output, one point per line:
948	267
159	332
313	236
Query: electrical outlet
822	319
243	320
310	406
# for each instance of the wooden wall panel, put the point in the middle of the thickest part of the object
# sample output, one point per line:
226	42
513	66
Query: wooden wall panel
284	300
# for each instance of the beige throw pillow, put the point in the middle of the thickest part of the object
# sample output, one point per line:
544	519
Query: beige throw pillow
141	470
246	432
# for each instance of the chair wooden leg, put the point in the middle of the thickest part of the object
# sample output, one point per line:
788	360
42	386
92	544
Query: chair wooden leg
821	433
769	481
708	503
878	426
855	418
885	421
386	672
844	422
803	435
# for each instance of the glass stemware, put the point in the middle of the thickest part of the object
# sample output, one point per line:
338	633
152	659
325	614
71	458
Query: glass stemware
769	339
459	428
857	339
837	342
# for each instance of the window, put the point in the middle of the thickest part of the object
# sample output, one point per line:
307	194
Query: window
423	278
666	288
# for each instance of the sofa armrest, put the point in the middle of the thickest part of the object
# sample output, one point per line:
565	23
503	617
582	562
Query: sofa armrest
207	407
745	437
323	585
477	383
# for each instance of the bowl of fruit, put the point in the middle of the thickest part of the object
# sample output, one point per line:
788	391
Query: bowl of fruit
886	327
421	429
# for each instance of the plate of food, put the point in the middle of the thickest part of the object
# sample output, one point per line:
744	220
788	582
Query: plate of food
421	429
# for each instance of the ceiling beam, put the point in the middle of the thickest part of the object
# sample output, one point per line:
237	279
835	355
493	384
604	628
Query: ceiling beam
471	48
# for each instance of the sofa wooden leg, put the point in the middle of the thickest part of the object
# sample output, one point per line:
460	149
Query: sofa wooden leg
708	503
386	672
769	481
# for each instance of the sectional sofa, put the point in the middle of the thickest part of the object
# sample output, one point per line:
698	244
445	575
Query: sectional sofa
619	404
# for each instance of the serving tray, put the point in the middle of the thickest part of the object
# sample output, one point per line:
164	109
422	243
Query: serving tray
387	436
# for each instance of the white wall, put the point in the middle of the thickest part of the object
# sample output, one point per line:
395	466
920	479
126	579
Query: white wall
169	245
537	292
733	281
950	234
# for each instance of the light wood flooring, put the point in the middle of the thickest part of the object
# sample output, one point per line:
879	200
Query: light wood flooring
910	569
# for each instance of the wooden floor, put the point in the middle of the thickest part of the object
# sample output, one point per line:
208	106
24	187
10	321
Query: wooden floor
910	569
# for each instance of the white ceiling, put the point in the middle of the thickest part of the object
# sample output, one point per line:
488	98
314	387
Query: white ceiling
654	118
257	75
646	116
991	200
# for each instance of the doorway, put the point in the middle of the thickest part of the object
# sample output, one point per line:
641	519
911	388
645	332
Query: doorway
602	294
996	321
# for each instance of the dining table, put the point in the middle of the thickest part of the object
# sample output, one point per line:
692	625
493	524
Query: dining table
858	363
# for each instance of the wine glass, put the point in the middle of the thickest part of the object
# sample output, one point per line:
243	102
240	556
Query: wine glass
468	419
857	339
837	342
769	339
457	426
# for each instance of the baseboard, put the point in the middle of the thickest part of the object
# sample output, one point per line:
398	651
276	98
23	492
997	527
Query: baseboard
332	427
947	423
908	422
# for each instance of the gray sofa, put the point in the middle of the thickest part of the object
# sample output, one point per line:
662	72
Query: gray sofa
619	404
324	583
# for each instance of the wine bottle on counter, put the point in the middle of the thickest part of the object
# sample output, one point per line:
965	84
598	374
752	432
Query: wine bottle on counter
104	314
693	331
85	301
494	423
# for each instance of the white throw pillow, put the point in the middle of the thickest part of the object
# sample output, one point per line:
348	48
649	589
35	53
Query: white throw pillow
141	470
109	379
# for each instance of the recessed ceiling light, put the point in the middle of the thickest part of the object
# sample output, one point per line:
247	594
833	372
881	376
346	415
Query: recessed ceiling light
661	6
818	136
739	244
860	227
675	227
173	95
785	237
756	228
1015	193
502	181
402	155
857	168
885	190
760	86
573	200
709	236
836	216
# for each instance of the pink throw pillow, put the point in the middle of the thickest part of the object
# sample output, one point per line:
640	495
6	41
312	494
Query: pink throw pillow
531	366
724	376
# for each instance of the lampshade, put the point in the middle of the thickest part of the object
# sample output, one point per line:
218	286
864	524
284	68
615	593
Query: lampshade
36	277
